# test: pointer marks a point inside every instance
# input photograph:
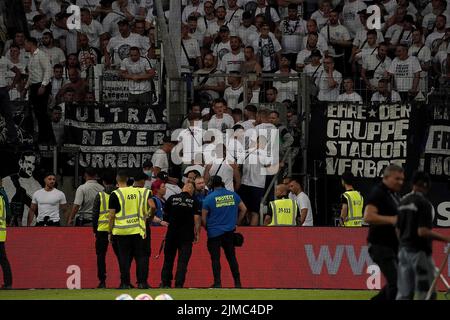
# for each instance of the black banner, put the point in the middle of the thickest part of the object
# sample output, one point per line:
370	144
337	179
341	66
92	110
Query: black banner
119	136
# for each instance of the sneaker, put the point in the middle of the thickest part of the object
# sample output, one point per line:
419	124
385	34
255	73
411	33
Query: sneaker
216	285
124	286
163	285
101	285
143	286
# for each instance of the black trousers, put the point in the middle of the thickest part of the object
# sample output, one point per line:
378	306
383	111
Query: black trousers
386	258
40	106
101	248
184	249
6	112
131	246
48	223
147	251
6	268
226	242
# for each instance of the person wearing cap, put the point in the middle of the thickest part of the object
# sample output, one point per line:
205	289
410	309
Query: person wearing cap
48	202
182	214
191	175
39	28
100	223
222	210
146	194
160	158
119	46
223	47
55	54
315	66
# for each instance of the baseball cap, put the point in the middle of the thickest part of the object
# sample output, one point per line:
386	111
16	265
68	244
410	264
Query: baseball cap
224	29
194	171
163	176
123	22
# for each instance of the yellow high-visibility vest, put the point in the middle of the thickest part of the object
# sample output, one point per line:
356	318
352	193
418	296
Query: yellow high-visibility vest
129	220
355	204
103	218
2	220
284	212
144	206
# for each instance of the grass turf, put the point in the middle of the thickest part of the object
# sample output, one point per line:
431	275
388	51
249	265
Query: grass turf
192	294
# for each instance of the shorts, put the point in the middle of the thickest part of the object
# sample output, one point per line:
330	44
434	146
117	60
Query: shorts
251	196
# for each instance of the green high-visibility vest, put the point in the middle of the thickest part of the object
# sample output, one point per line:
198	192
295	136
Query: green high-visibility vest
2	220
355	204
284	212
103	218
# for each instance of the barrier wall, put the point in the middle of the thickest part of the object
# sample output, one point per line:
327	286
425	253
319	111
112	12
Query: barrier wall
277	257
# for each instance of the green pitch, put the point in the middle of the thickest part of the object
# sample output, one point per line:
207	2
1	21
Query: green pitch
192	294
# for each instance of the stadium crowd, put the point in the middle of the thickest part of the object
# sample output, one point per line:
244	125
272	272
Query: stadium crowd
222	42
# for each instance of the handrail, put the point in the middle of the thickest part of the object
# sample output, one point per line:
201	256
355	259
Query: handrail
266	194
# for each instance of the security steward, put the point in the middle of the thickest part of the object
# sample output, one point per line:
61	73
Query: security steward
282	211
381	214
181	211
222	210
352	203
139	183
127	224
100	222
4	263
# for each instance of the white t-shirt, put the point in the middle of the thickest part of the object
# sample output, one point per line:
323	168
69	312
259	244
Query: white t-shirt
226	122
303	202
190	9
320	18
231	62
338	32
303	57
110	25
225	172
138	67
211	81
220	50
160	160
192	50
261	46
232	95
292	32
377	97
371	63
254	173
322	44
403	72
121	46
313	71
351	16
234	18
353	97
93	31
171	189
287	89
55	54
48	203
430	41
247	35
248	124
325	92
5	67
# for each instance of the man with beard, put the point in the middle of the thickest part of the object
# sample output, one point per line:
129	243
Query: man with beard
20	188
206	85
55	54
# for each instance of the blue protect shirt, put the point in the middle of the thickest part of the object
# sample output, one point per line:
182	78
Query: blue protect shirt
222	206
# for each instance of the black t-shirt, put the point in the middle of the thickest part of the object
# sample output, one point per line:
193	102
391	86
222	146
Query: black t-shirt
179	212
386	202
114	202
415	211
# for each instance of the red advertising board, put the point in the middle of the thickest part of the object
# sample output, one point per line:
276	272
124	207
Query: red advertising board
272	257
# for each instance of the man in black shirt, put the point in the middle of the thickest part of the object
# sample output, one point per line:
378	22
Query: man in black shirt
182	214
381	215
415	221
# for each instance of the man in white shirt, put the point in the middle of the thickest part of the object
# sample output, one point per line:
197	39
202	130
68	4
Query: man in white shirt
206	84
375	66
267	11
223	47
55	54
321	16
247	30
350	16
220	120
293	29
249	117
349	95
48	202
40	73
423	53
92	28
405	71
303	57
120	45
233	60
160	158
384	94
436	40
268	49
328	81
139	72
195	8
234	14
39	28
311	26
234	94
303	202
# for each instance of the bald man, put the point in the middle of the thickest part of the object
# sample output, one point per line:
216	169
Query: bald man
282	211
